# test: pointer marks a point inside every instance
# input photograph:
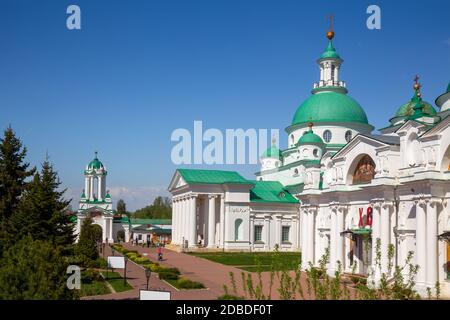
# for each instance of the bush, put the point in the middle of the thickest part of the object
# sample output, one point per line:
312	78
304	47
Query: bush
88	276
141	260
168	275
185	283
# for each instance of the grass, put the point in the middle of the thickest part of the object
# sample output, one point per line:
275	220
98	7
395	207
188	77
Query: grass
93	284
116	281
249	260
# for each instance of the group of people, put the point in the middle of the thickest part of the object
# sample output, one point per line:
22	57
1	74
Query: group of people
159	247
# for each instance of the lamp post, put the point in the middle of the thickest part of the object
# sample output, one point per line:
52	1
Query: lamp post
148	273
125	271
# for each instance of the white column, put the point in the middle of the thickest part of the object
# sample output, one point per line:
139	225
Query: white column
86	187
266	232
376	234
421	248
310	235
181	232
110	222
333	238
91	188
252	231
432	244
340	238
193	221
222	222
303	240
185	235
293	233
211	221
99	187
277	230
385	235
174	220
105	230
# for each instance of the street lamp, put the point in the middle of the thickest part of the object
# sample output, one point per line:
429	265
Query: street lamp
148	273
125	271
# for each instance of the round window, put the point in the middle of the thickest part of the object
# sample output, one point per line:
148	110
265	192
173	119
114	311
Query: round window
327	136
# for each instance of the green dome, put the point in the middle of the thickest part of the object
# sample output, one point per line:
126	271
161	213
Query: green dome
330	52
329	106
95	164
310	138
272	152
407	109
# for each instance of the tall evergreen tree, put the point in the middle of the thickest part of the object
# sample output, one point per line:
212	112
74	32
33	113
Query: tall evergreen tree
14	172
42	211
86	248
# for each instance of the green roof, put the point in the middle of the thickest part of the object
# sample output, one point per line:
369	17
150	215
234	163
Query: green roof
272	152
270	191
95	163
310	138
407	109
211	176
362	231
124	219
330	52
329	106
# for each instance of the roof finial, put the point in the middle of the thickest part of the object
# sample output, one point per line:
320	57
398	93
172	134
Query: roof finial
96	154
417	85
330	33
310	125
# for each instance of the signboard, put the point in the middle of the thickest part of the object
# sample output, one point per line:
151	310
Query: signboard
116	262
154	295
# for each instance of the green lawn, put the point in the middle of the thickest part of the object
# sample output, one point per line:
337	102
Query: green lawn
250	260
116	281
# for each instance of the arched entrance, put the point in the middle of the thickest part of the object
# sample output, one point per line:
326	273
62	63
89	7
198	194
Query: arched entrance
364	171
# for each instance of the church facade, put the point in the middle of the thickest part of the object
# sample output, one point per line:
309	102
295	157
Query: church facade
337	189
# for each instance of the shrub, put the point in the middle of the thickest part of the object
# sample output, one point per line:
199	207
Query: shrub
168	275
141	260
185	283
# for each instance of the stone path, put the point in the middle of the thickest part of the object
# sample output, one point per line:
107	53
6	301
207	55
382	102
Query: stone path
212	274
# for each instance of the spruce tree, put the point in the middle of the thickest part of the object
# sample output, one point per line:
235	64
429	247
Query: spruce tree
42	211
86	248
34	269
14	172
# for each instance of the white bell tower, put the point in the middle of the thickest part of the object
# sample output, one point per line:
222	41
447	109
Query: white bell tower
330	65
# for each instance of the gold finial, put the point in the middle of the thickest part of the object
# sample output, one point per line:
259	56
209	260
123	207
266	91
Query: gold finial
310	125
416	83
330	33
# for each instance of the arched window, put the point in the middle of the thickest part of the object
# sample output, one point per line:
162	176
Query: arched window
327	136
316	153
348	135
292	139
365	170
238	230
296	172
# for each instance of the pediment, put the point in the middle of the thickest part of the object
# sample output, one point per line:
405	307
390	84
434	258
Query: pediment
408	125
437	129
357	141
177	181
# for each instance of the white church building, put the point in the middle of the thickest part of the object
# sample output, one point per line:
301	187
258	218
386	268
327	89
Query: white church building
337	185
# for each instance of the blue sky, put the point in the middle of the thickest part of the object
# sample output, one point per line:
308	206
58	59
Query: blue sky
137	70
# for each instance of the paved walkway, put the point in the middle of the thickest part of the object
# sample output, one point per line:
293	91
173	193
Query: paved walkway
212	274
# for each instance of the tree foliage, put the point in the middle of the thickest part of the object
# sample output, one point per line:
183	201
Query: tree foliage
34	269
121	207
160	209
14	171
42	211
86	248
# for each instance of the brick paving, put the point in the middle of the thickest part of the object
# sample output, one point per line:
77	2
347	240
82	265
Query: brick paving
212	274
